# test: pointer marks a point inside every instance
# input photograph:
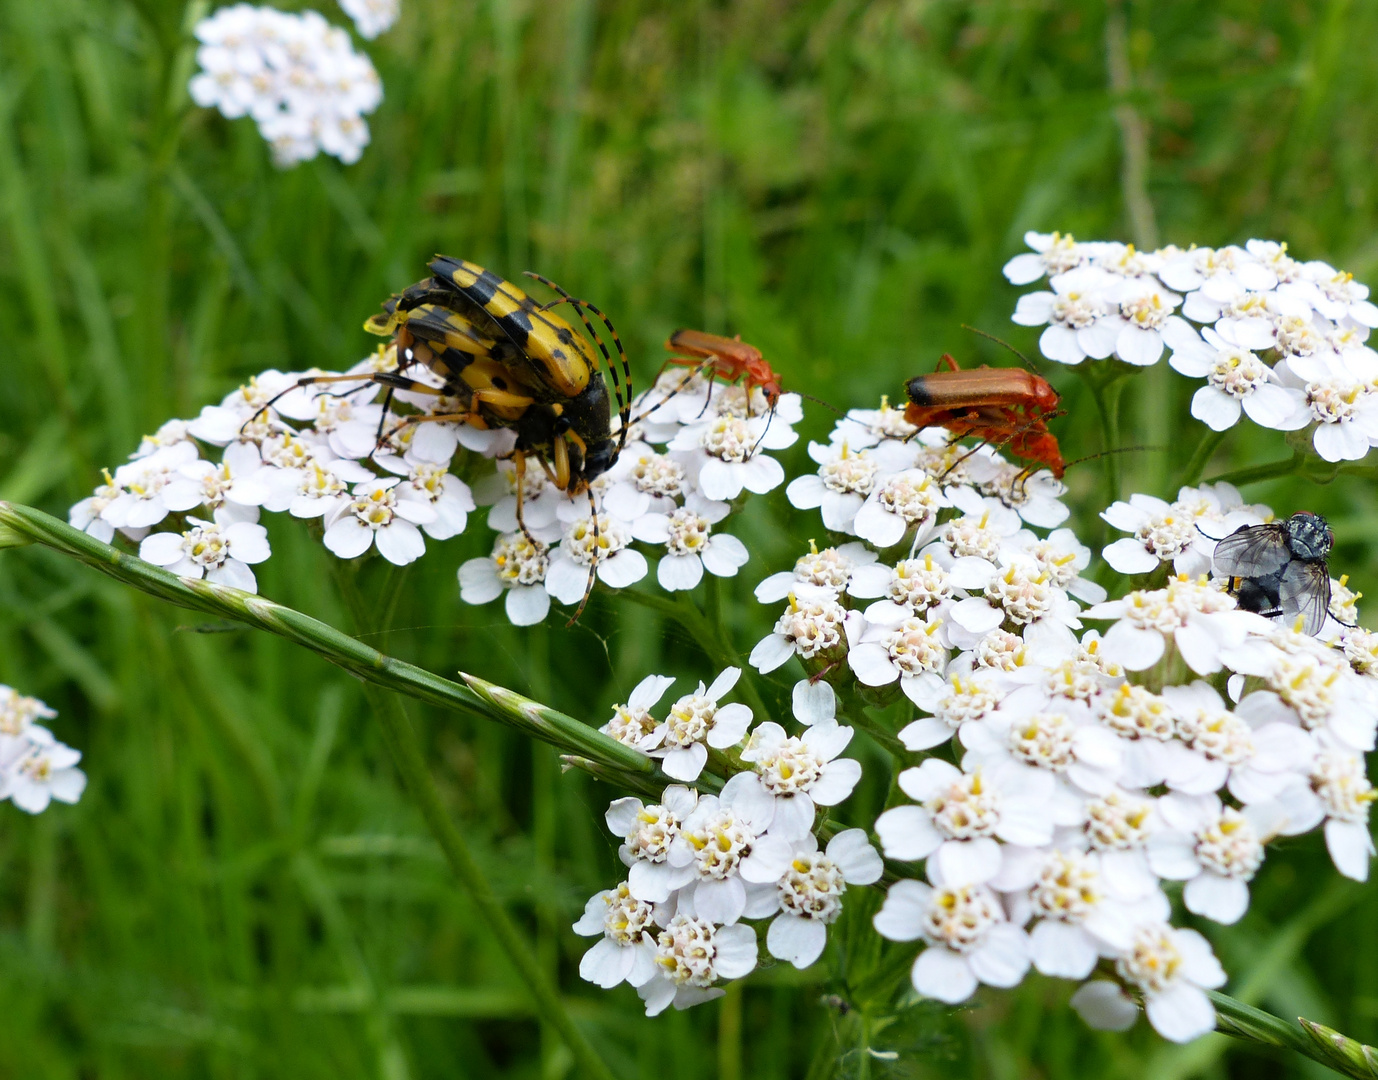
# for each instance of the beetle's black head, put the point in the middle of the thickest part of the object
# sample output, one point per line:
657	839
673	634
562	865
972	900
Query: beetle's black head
600	458
1309	537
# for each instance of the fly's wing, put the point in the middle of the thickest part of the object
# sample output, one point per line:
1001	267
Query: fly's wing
1252	551
1305	591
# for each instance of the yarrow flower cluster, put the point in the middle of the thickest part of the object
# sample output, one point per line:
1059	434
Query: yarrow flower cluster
1066	762
297	76
701	868
34	767
1281	341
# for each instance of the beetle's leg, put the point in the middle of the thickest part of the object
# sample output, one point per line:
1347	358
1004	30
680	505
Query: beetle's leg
712	375
946	361
561	476
593	563
519	467
311	380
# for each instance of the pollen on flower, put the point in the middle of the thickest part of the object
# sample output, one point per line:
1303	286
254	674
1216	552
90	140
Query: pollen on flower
376	509
1043	740
1136	713
911	495
970	698
18	712
1169	534
1076	679
1307	684
1068	887
1059	566
1344	602
1117	822
657	474
851	473
689	720
1230	846
1361	649
1237	372
1077	310
584	547
519	561
686	950
1218	734
729	438
656	829
960	918
970	535
829	568
1339	781
813	626
627	918
919	583
1001	650
789	768
1334	401
1148	312
533	482
915	647
688	533
205	545
966	809
629	725
719	845
812	888
889	422
1061	254
1297	336
1023	592
1152	963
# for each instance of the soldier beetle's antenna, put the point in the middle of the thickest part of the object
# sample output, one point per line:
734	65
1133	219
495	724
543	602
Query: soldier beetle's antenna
1004	344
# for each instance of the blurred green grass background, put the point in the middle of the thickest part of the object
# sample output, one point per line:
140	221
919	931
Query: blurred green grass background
244	891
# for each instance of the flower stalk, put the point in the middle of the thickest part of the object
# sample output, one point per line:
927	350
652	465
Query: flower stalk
493	703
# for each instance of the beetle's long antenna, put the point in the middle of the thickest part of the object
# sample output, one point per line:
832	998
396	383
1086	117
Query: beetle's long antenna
624	399
1005	344
593	563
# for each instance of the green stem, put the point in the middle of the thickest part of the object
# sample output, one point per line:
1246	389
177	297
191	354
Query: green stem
479	698
411	763
707	635
1107	397
1200	458
852	708
1257	473
1344	1055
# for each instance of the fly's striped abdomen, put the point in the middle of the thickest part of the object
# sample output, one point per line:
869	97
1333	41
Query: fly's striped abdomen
557	353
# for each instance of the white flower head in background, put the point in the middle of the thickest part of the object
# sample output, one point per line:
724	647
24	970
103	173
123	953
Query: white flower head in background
296	75
34	767
372	17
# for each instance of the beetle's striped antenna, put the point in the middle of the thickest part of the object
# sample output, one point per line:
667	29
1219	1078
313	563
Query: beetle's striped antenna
624	395
593	563
1004	344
